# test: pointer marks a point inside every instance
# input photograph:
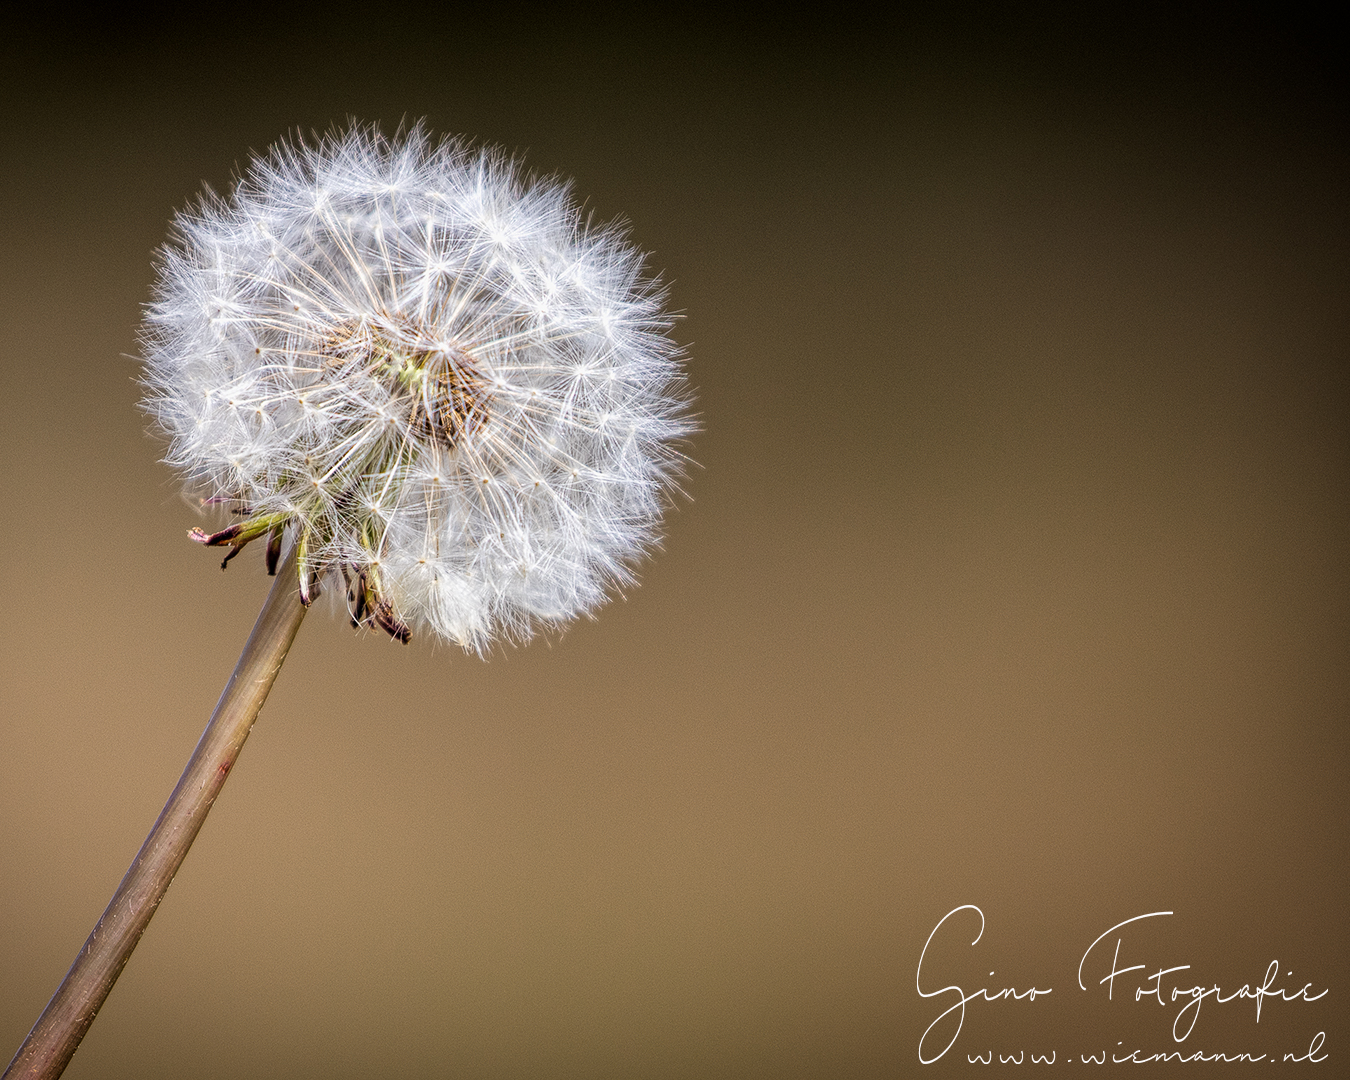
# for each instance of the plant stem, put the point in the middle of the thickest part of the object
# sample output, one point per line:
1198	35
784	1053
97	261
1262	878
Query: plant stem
54	1038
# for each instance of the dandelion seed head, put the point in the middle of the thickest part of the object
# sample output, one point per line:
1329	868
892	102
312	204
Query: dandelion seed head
456	395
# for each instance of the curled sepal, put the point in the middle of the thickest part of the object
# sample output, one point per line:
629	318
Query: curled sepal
366	607
309	574
273	550
241	533
390	623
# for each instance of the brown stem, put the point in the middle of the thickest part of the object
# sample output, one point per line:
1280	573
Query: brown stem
54	1038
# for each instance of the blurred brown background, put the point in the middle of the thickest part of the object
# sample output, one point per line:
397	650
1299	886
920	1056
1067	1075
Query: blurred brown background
1014	574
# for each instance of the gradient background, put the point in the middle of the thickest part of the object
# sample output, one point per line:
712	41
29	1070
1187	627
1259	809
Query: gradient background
1014	573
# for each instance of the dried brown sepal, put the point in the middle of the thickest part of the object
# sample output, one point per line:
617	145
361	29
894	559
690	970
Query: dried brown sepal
359	597
365	607
387	621
226	535
242	533
229	535
273	551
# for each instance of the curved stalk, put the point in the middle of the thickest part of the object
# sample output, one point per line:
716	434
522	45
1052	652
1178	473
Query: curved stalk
54	1038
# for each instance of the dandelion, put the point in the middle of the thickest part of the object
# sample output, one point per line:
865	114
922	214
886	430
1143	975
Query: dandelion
429	380
454	395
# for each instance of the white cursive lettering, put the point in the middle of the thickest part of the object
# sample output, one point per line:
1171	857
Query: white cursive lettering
962	998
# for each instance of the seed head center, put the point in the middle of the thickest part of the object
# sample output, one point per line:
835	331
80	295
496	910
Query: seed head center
434	389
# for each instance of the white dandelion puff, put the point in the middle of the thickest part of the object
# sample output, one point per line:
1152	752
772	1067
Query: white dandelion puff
456	394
